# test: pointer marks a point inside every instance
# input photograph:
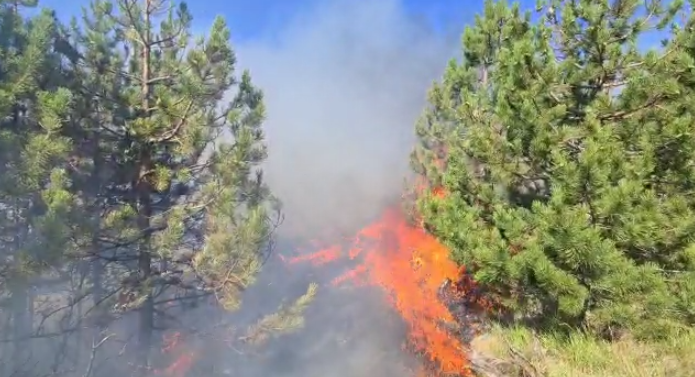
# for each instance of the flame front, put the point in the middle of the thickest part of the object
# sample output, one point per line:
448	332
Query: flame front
410	265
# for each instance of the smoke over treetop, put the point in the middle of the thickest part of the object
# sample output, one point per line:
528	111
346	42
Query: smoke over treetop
344	84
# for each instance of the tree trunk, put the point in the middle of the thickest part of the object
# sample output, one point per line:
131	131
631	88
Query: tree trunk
21	329
144	194
19	307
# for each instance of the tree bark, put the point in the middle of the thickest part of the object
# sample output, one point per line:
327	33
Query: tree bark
144	192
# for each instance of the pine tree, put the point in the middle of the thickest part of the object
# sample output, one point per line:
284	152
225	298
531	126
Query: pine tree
182	208
35	203
567	165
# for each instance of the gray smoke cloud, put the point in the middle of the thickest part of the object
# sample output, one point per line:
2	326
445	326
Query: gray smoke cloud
344	84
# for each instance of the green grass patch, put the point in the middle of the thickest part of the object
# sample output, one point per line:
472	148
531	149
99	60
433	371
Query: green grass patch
555	355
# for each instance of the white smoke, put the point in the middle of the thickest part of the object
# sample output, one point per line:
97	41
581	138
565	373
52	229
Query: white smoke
344	84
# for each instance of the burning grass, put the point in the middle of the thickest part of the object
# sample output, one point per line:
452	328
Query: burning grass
443	312
421	283
435	298
174	348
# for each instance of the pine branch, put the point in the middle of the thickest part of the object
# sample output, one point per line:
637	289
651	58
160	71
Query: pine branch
285	320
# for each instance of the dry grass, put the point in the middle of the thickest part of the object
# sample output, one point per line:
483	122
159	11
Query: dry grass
581	356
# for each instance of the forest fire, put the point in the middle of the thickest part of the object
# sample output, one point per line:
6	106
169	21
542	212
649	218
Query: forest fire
425	287
438	301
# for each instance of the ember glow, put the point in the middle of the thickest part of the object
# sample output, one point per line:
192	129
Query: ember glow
410	266
183	359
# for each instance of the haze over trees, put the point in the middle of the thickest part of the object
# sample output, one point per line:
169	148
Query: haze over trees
130	189
564	147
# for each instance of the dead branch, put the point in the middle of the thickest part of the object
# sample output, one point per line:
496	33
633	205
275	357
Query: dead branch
93	354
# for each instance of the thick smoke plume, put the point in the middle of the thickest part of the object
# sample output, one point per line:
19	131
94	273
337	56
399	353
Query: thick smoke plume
344	84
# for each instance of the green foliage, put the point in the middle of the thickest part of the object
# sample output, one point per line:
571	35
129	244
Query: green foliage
174	140
569	165
518	350
288	318
131	154
35	202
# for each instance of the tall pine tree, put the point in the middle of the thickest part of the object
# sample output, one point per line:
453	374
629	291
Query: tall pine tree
35	204
181	210
564	150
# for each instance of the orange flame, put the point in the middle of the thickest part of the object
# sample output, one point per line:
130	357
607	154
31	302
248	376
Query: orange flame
183	361
410	265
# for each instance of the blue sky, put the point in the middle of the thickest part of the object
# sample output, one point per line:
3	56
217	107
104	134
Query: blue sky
250	19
